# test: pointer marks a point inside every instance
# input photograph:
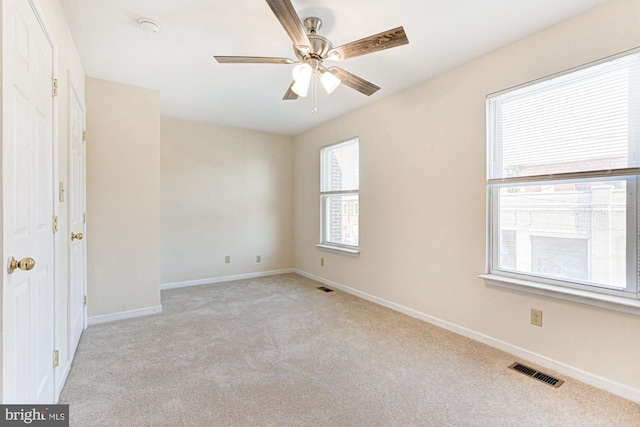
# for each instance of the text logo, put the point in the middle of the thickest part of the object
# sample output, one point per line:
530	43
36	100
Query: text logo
34	415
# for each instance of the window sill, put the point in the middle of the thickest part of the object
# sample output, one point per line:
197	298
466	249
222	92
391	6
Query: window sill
611	302
339	249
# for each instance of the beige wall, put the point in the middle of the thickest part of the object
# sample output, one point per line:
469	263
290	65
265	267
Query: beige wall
123	197
225	192
423	202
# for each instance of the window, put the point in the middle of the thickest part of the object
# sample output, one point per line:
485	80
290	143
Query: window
339	185
562	180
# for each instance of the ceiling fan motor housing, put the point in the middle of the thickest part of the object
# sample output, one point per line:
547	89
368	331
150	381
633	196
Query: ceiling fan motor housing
320	46
312	24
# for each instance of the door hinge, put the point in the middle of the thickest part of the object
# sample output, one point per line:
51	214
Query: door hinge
84	301
55	87
84	218
56	358
55	223
84	135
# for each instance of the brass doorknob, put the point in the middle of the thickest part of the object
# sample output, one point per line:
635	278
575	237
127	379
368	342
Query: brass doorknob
76	236
25	264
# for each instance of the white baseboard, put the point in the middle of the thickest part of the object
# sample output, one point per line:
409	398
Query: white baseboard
614	387
212	280
122	315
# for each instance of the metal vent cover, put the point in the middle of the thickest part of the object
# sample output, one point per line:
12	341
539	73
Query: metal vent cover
540	376
323	289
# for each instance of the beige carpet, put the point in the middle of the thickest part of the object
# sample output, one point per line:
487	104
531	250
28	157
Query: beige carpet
278	352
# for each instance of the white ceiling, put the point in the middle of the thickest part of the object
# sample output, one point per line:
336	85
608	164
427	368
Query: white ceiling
179	62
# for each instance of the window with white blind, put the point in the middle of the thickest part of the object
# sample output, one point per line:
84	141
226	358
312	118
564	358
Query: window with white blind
562	179
339	187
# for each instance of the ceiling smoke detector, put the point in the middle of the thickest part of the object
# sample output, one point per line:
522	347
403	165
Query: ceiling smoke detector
148	26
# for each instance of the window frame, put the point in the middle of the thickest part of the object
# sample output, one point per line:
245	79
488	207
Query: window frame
325	243
627	300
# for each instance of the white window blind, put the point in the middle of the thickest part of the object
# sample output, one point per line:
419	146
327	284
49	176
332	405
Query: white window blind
341	167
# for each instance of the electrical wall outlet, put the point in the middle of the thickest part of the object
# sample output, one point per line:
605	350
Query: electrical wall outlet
321	262
258	258
227	259
536	317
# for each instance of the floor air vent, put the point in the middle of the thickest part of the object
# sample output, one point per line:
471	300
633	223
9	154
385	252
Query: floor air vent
323	289
540	376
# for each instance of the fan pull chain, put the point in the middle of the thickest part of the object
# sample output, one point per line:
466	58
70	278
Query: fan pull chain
314	93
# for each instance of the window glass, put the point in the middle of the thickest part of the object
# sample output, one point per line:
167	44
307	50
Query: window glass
340	180
563	157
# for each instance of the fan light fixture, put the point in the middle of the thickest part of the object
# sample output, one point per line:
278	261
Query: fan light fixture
302	75
329	81
302	78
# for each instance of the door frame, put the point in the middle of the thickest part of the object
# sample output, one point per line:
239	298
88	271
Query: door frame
73	93
48	33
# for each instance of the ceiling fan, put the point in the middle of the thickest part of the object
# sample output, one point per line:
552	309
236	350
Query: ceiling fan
312	49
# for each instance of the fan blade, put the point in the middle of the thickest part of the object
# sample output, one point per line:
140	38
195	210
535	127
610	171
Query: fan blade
371	44
290	95
286	14
252	60
355	82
